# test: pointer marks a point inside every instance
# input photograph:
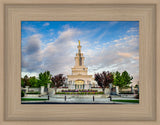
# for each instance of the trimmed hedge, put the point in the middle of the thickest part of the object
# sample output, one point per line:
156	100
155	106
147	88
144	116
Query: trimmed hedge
22	93
33	93
126	92
33	99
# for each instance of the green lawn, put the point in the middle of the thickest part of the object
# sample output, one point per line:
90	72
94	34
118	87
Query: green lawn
32	99
131	101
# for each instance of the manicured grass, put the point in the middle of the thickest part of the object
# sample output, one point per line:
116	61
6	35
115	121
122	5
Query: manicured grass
32	99
131	101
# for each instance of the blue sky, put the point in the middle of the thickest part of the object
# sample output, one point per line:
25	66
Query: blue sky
107	45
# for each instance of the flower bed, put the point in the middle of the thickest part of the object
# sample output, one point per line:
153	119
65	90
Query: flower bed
79	90
80	93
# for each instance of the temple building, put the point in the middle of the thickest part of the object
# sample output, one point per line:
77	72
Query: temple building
80	78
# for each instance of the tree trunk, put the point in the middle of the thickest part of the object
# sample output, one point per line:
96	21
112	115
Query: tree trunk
55	89
103	89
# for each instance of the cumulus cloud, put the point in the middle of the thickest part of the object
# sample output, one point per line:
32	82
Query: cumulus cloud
115	58
58	55
31	54
33	44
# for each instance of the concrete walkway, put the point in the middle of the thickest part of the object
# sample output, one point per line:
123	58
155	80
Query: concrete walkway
54	100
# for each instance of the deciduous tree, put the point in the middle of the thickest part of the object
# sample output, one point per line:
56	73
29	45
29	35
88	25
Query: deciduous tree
58	80
122	80
22	82
26	81
34	81
44	78
104	79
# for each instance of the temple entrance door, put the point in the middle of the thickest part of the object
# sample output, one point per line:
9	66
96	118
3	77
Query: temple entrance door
79	84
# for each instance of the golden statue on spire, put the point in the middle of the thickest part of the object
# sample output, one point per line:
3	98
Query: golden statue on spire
79	42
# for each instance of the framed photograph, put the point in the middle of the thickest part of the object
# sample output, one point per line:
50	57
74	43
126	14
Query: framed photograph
91	62
100	75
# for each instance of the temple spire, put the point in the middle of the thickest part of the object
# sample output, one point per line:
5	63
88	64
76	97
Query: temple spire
79	47
79	42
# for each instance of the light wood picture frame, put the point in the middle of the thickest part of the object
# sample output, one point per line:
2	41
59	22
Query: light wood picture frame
14	11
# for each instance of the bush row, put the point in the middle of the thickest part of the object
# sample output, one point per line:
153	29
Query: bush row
126	92
33	93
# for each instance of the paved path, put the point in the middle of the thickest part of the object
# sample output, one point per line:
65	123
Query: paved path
53	100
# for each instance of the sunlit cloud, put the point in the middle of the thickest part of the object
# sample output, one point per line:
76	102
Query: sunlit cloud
128	55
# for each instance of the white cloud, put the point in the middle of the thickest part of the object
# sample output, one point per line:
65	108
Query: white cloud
31	54
119	56
116	40
95	42
128	55
50	39
133	29
58	56
46	24
30	29
29	74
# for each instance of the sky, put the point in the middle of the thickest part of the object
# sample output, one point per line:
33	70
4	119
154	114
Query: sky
106	45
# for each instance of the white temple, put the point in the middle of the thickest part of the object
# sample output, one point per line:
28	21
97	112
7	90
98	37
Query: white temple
80	78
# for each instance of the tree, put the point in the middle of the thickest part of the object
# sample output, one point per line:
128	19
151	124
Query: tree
122	80
22	82
117	79
34	82
44	78
58	80
136	86
26	80
126	78
104	79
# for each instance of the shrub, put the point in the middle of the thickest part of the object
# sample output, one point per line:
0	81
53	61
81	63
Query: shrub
22	93
33	93
137	96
